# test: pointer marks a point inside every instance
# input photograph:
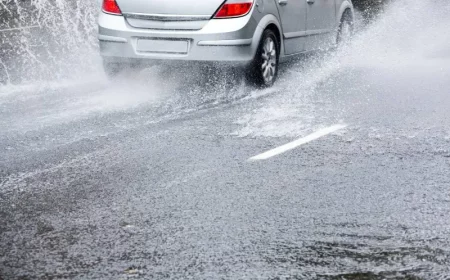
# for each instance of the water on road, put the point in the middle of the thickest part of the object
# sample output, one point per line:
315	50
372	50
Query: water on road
148	177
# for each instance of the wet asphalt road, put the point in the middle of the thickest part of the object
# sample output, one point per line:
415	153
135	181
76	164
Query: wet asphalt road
148	177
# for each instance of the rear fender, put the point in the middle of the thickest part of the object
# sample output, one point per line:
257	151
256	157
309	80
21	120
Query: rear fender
262	25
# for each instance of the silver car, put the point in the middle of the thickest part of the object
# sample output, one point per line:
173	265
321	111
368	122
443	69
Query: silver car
255	34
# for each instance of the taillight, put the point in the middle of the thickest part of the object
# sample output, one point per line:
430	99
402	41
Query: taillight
111	7
234	8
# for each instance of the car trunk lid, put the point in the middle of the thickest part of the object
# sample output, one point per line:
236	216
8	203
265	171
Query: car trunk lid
169	14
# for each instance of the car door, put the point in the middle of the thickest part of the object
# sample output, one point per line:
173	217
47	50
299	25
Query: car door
293	21
321	24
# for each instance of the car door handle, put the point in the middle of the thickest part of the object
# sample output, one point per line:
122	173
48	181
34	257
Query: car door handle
310	2
282	2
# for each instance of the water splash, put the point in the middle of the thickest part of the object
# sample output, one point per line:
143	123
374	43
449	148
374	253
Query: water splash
46	40
410	38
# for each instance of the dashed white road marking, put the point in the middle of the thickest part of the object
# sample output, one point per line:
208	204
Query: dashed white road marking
294	144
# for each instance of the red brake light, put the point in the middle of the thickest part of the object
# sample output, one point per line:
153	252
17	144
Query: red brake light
234	9
111	7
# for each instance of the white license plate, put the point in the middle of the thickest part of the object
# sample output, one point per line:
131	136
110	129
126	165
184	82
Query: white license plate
162	46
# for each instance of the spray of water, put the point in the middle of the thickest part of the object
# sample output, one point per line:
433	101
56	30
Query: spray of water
409	37
52	49
44	40
61	46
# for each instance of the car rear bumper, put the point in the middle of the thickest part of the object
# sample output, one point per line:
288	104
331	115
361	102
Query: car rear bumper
230	40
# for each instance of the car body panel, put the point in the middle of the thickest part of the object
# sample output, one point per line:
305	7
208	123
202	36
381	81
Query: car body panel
172	7
212	43
321	23
169	15
293	20
139	21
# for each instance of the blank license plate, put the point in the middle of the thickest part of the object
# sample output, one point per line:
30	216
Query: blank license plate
162	46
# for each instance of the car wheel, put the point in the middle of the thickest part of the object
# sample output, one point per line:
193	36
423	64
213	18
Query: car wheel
345	31
114	69
263	70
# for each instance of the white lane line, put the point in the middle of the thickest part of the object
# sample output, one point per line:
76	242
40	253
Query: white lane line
298	142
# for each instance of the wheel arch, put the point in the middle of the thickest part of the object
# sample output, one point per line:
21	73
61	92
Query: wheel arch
269	21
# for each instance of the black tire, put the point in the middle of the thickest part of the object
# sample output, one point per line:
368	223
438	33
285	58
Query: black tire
114	69
256	72
346	28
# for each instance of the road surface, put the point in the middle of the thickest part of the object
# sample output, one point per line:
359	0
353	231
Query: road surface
164	175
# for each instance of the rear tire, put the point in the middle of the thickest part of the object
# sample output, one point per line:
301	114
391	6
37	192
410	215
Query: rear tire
263	70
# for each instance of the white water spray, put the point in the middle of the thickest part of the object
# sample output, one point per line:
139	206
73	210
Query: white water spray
411	36
46	40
